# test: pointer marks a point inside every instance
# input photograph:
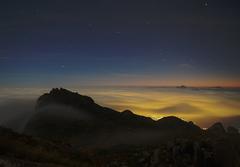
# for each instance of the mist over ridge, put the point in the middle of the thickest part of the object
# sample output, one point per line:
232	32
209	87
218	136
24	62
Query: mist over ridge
203	106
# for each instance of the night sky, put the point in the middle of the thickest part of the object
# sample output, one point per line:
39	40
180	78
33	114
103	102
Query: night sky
119	42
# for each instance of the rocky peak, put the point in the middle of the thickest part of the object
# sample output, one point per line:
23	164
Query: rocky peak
216	128
65	97
127	112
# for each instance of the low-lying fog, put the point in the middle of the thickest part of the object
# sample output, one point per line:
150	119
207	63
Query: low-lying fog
202	106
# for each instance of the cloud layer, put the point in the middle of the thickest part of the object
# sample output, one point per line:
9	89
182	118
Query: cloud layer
203	106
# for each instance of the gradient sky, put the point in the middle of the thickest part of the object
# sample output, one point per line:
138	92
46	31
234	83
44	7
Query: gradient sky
121	42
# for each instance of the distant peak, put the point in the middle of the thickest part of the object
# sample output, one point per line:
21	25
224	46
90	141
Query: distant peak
127	112
182	86
217	125
175	122
217	128
171	118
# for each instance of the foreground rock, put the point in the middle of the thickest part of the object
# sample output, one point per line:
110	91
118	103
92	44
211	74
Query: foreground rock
18	150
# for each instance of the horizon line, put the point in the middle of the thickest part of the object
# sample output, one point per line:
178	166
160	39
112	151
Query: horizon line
153	86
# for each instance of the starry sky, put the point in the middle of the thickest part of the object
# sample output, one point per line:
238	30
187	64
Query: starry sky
119	42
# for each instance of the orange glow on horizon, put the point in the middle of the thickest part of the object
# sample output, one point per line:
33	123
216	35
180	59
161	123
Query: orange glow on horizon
202	106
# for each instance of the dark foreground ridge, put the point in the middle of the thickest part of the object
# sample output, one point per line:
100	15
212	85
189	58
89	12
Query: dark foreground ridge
69	129
18	150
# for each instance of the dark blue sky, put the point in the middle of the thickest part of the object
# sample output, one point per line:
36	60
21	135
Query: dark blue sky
120	42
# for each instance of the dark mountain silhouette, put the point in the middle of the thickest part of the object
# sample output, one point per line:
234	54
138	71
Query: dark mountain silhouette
182	86
101	137
217	129
18	150
94	124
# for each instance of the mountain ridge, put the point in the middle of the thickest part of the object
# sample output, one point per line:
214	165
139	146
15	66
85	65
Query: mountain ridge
92	120
69	129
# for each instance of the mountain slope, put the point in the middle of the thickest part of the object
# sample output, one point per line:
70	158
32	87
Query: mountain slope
103	137
65	115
